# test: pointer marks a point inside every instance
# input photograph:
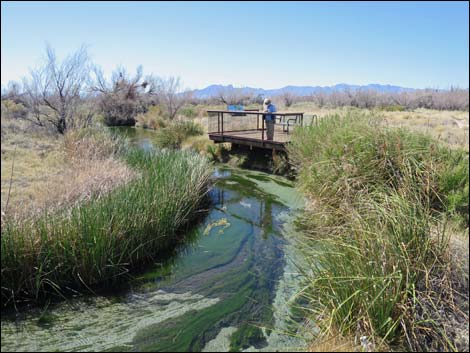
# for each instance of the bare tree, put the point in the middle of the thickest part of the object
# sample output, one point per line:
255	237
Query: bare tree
319	98
54	91
231	95
287	98
123	97
13	91
170	93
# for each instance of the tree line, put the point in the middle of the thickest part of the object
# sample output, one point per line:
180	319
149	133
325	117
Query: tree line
72	92
453	99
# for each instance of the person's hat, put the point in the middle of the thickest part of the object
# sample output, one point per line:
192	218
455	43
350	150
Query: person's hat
267	101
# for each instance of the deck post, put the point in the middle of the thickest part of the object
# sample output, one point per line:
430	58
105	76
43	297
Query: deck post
262	130
222	115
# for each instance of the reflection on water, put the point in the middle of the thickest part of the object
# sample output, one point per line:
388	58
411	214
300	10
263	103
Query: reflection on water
142	138
228	287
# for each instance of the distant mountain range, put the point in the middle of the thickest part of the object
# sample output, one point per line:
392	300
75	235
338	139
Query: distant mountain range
213	90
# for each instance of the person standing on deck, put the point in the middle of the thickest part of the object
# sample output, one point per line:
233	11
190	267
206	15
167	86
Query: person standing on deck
270	119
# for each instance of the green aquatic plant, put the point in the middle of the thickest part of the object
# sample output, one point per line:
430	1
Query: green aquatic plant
246	336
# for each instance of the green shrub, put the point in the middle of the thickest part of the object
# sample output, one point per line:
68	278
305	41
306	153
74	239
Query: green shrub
12	110
155	118
189	111
174	134
189	128
219	152
169	137
393	108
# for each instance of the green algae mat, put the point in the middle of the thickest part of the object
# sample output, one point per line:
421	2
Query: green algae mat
227	287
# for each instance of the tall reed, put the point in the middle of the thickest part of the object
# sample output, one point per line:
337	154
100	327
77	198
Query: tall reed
96	243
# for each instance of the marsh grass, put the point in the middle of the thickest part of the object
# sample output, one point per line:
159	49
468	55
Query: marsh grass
375	234
98	242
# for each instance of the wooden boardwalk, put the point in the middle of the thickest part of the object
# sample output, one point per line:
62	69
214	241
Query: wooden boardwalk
248	128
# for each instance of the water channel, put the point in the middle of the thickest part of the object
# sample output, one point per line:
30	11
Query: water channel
229	286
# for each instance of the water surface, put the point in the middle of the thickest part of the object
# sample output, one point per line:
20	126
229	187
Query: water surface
227	287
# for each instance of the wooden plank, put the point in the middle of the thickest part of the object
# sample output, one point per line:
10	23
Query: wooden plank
279	136
218	138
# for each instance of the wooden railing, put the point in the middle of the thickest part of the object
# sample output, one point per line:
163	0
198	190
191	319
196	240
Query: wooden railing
229	121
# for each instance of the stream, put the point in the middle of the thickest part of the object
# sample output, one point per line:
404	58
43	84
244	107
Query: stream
229	286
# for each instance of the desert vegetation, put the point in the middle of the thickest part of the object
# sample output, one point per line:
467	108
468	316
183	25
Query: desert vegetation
450	127
452	99
43	171
386	209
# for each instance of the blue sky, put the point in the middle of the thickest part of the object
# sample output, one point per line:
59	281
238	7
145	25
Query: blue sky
258	44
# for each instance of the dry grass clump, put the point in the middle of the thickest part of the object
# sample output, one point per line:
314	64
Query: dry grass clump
450	127
335	342
458	253
52	173
35	155
86	175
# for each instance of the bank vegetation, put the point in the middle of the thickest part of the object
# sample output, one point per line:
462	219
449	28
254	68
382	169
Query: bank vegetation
387	210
